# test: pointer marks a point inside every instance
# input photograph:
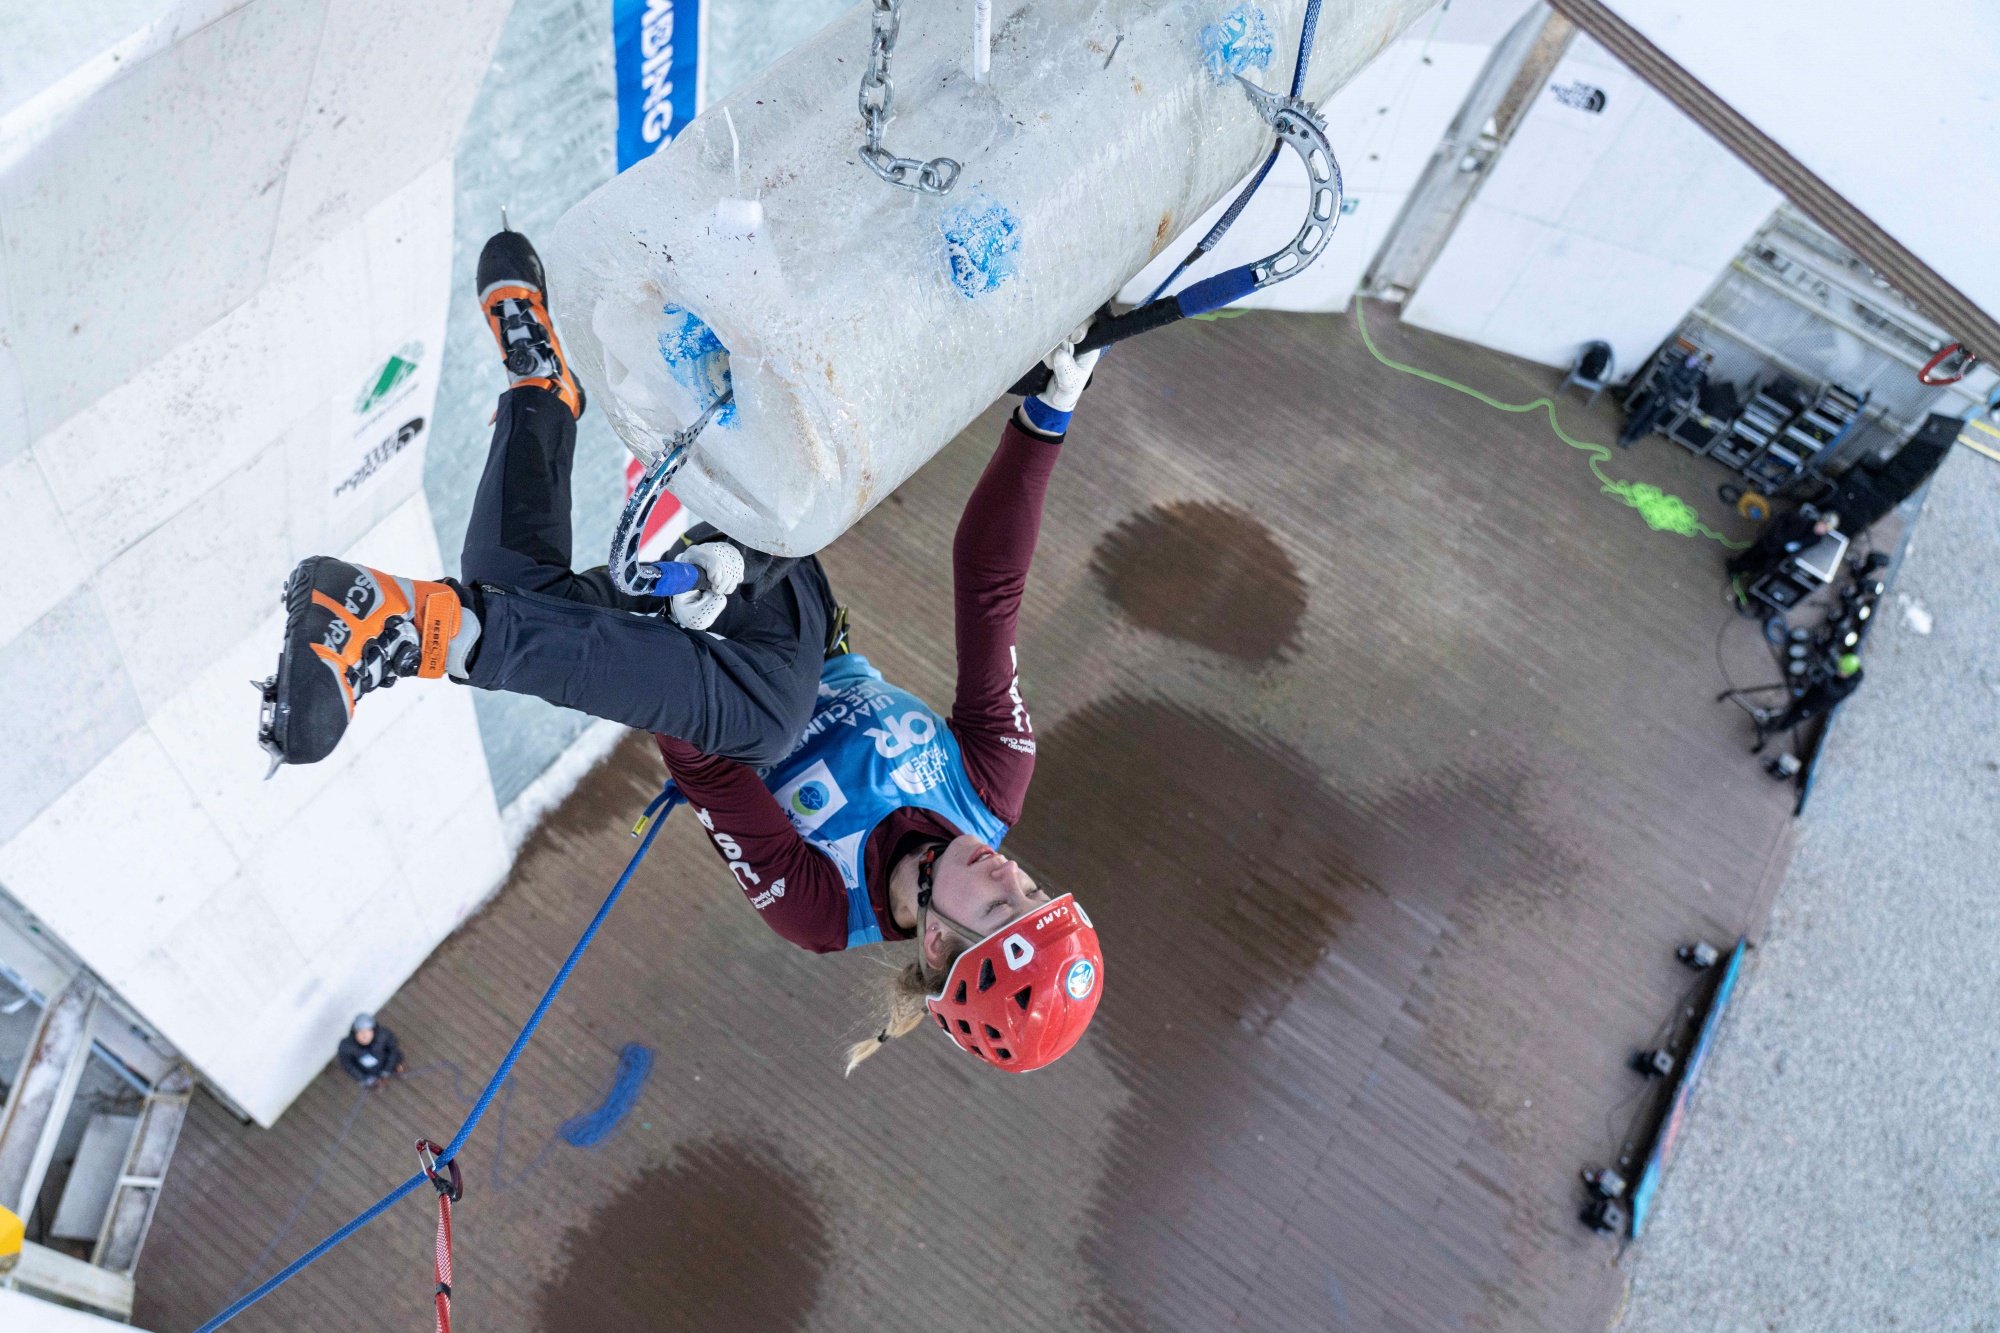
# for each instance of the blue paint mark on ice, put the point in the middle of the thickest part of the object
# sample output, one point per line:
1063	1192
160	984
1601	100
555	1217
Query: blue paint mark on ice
981	238
696	359
1242	40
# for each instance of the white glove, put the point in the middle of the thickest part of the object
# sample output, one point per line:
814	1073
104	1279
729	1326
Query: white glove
1072	372
721	567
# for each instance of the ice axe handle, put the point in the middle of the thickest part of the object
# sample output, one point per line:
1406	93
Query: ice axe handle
1105	332
677	577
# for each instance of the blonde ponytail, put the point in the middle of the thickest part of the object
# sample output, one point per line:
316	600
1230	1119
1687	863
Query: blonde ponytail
903	1005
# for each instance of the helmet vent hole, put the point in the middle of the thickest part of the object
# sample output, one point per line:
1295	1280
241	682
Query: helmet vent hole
965	1027
958	996
1022	996
941	1023
986	977
992	1033
1000	1054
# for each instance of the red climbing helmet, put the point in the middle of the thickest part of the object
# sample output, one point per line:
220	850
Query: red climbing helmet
1021	997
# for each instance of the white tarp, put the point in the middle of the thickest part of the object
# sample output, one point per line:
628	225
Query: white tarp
1897	108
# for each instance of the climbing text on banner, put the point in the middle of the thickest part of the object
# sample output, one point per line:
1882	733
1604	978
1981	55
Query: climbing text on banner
659	72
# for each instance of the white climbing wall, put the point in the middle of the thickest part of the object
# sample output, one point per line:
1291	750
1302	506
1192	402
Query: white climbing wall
1607	216
225	247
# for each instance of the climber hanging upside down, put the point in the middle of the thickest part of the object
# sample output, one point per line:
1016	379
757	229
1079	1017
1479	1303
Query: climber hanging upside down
846	809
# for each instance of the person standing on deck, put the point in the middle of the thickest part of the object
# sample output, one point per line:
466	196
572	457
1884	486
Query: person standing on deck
847	811
370	1052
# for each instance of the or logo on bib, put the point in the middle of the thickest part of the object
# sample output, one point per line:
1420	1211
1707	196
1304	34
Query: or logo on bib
1081	979
869	751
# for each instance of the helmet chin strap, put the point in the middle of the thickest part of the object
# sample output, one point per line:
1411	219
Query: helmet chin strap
926	876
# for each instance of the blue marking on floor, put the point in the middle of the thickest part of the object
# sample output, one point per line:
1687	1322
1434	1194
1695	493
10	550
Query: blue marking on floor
1340	1309
635	1064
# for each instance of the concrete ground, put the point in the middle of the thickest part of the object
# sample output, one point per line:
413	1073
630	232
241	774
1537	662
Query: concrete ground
1841	1170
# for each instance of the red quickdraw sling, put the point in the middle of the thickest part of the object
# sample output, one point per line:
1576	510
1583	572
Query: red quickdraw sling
450	1189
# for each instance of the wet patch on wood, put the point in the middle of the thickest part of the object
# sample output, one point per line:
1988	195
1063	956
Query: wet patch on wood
723	1235
1209	574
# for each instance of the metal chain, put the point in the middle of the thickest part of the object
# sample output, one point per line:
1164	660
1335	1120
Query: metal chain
877	100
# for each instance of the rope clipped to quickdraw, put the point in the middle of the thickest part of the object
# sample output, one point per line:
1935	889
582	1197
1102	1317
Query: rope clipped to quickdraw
447	1156
450	1189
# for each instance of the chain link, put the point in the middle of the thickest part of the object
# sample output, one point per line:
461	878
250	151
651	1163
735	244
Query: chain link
877	101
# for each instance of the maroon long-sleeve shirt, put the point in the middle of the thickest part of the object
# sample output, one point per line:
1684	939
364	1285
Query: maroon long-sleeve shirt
989	560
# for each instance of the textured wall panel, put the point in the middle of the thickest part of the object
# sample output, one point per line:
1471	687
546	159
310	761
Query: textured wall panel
148	213
39	564
1594	223
207	727
215	902
65	703
382	109
120	859
224	545
145	451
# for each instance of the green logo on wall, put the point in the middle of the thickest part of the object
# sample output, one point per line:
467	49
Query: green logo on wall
399	367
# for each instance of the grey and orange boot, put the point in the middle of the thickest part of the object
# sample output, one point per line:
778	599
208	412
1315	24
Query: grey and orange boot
513	291
349	629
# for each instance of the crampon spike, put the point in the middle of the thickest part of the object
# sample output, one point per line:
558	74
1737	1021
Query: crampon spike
267	723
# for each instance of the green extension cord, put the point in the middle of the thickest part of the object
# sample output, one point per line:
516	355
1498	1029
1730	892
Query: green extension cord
1662	512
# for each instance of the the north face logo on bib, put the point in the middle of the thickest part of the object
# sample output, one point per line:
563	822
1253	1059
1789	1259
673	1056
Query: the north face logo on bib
922	772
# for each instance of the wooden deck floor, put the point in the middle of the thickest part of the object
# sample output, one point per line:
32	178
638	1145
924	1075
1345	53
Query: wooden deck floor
1379	742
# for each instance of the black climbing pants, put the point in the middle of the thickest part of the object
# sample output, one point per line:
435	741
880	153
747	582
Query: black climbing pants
744	689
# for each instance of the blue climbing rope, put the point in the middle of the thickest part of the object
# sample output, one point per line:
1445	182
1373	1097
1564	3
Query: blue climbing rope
648	828
299	1205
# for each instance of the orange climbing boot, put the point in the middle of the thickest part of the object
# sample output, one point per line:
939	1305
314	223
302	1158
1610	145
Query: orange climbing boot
349	630
514	294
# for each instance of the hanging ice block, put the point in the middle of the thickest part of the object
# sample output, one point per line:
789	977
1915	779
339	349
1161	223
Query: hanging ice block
862	325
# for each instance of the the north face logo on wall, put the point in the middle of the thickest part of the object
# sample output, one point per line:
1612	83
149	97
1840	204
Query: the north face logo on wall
379	457
390	376
811	798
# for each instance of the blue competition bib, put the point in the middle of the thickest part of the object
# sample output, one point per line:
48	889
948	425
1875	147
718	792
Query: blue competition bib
870	750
